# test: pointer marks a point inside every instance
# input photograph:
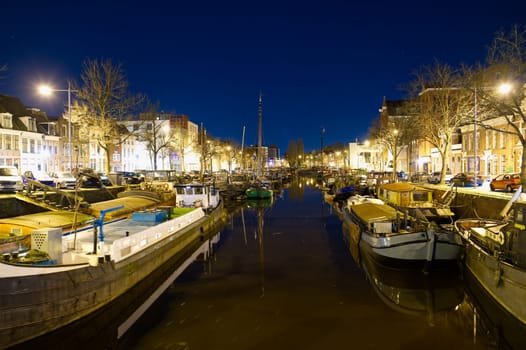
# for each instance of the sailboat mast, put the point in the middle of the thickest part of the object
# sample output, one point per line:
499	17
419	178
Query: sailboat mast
260	128
260	120
242	149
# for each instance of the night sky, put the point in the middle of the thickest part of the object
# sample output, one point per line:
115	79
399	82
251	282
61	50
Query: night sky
319	64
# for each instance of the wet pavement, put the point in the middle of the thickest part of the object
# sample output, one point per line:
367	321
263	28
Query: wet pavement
283	277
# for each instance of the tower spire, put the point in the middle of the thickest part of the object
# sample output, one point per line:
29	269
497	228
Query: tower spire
260	119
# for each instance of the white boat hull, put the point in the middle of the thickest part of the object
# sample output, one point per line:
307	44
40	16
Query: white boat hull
36	300
408	249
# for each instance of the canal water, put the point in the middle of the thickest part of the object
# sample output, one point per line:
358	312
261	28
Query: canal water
283	276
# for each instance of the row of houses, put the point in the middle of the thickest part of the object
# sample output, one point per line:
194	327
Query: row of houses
495	152
30	140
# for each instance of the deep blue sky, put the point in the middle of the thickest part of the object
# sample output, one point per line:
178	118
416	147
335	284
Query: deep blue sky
318	63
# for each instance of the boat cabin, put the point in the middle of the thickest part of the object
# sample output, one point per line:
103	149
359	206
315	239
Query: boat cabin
406	195
377	218
196	195
160	180
516	237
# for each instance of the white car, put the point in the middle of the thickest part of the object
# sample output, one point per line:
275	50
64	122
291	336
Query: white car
39	176
10	181
63	179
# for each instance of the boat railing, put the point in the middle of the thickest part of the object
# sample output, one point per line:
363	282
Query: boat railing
126	246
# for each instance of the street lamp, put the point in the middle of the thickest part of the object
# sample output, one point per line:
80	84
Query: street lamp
46	90
395	133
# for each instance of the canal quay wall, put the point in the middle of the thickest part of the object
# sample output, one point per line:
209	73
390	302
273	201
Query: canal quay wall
469	202
20	204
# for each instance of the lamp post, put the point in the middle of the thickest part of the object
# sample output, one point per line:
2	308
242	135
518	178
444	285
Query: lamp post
46	91
395	155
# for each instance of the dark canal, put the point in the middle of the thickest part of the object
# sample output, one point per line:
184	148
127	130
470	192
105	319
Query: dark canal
283	277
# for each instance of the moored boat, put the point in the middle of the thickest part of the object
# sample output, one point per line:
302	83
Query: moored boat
83	273
495	258
258	191
398	240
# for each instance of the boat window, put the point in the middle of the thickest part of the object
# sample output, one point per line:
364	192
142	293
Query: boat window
189	190
420	196
519	214
198	190
180	190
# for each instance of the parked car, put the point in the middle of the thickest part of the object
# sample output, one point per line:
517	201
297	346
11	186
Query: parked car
419	177
63	179
465	180
131	178
434	178
104	179
88	178
10	181
508	182
39	176
90	181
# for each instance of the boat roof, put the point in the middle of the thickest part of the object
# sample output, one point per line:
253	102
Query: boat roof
130	204
370	212
402	187
191	184
52	219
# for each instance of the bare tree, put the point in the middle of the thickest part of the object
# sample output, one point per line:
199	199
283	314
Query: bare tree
393	133
443	105
104	100
156	133
506	64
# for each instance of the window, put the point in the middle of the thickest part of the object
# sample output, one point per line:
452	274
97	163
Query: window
24	145
7	121
15	142
420	196
32	124
494	141
502	140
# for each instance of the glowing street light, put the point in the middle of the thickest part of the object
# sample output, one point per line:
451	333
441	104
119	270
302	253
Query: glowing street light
504	89
46	90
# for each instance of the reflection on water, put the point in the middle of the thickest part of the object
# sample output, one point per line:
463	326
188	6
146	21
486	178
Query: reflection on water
505	329
259	207
410	291
282	277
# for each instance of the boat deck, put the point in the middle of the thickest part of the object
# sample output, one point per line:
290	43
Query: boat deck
121	238
84	240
